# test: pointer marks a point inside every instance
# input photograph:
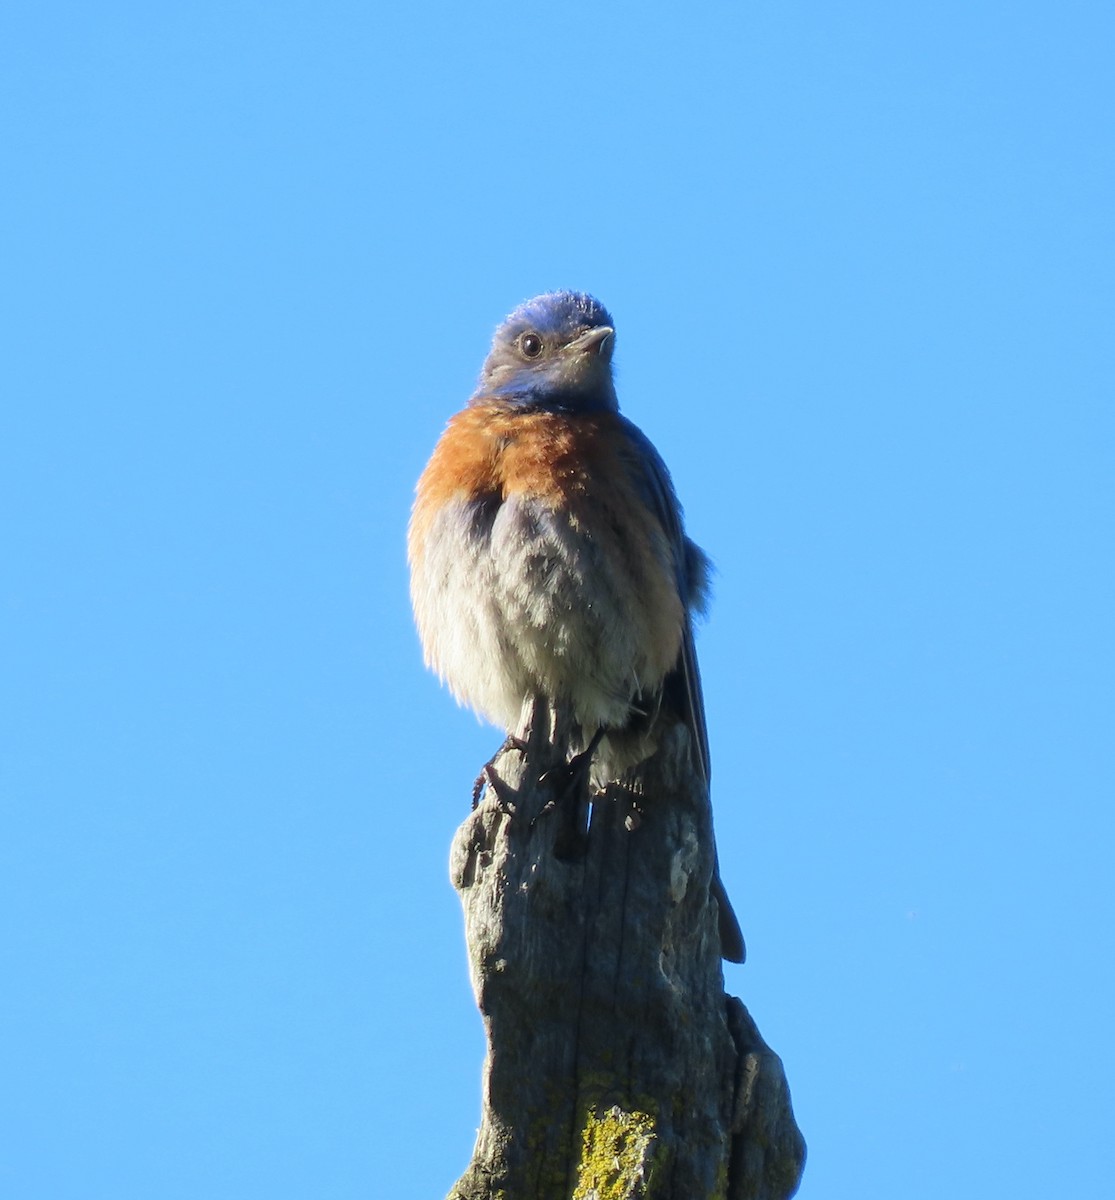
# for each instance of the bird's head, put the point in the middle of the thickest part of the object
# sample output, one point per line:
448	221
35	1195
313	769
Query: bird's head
554	351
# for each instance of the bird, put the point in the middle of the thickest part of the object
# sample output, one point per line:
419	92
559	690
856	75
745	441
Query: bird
548	556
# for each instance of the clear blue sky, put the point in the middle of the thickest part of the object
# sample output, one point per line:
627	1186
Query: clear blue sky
860	260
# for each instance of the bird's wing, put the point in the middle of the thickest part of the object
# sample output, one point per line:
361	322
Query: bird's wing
683	686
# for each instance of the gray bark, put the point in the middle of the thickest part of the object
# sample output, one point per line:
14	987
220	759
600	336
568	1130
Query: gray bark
616	1067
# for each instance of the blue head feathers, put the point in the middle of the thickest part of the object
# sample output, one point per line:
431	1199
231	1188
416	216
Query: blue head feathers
554	351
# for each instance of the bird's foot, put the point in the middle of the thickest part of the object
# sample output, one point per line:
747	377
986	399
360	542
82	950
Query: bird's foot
504	793
569	787
489	778
567	781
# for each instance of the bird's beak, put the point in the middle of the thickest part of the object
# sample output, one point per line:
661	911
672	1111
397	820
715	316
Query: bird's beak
601	341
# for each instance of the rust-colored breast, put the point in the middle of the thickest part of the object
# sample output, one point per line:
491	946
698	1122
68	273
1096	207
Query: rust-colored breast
493	451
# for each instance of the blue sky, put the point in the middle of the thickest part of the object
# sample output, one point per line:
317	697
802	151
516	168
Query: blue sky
860	261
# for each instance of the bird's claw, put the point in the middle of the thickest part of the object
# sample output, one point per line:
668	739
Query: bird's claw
489	778
504	792
568	784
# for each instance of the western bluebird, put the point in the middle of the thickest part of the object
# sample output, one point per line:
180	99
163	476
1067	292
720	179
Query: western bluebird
548	558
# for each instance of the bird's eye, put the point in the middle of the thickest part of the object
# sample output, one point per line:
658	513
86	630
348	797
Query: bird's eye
531	345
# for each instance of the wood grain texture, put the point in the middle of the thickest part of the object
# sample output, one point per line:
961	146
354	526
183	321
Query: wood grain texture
617	1066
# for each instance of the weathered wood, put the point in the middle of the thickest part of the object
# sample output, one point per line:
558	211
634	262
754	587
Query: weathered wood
616	1065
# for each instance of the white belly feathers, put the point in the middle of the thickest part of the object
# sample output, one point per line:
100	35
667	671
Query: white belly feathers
514	601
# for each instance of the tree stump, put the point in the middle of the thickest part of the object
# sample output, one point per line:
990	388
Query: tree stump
616	1065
